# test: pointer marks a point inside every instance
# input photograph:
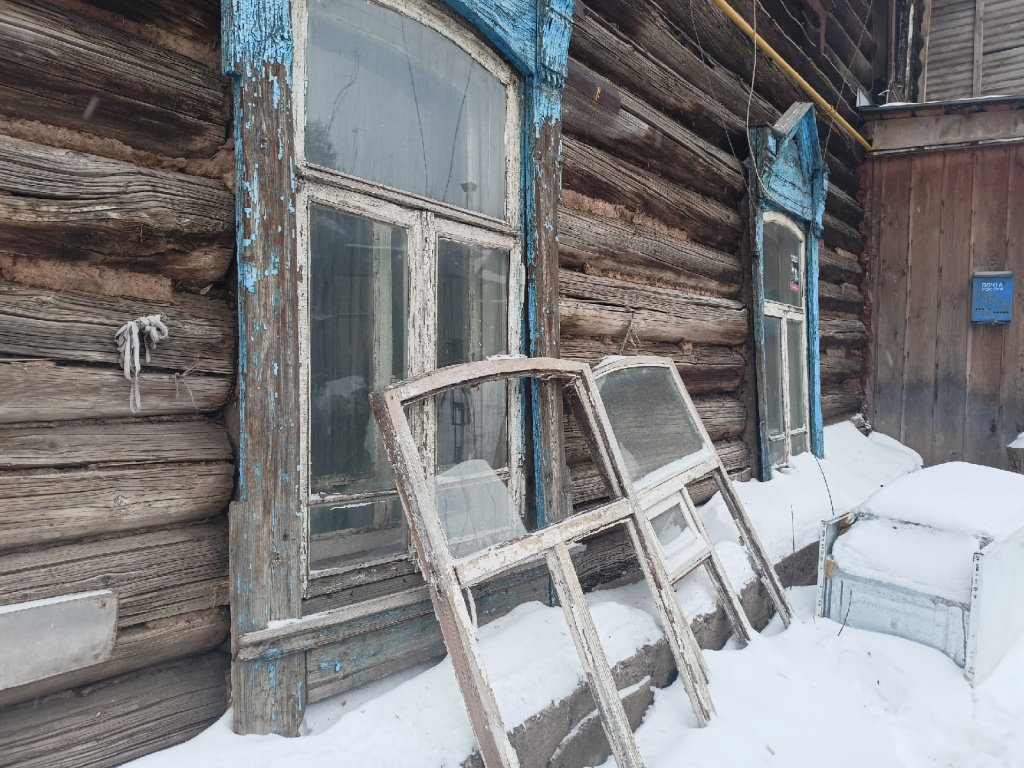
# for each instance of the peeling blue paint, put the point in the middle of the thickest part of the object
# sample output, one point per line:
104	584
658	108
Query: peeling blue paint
791	178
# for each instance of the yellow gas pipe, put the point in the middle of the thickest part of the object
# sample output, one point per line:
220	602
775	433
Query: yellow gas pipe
770	52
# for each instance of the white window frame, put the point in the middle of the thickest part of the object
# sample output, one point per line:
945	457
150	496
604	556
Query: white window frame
426	220
786	312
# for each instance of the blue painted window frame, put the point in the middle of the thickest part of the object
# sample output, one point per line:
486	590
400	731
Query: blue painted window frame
787	175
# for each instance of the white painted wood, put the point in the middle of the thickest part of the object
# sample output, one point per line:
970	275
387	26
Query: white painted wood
43	638
997	610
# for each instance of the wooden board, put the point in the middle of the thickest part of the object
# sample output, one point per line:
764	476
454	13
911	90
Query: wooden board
48	506
138	647
126	441
103	726
891	293
41	391
69	205
156	574
921	340
63	69
983	433
202	332
1012	386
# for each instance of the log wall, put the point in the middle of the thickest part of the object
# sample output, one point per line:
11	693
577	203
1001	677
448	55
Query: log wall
116	202
652	237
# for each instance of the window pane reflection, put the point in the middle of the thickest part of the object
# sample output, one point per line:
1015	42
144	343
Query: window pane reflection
783	264
472	324
392	101
796	347
649	418
358	299
673	532
342	535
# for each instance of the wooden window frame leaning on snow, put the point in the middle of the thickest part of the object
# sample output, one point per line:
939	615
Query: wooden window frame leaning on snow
452	578
788	184
663	492
525	45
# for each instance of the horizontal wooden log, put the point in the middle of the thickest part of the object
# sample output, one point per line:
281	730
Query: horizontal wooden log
43	506
836	369
85	278
73	206
843	207
839	234
38	391
840	332
613	245
682	95
837	268
61	68
840	402
840	298
134	441
704	369
642	135
202	333
197	19
595	173
597	306
145	645
156	574
127	717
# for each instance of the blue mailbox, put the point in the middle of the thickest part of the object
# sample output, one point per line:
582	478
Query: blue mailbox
992	297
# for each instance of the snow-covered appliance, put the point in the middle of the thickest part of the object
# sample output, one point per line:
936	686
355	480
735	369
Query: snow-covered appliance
937	557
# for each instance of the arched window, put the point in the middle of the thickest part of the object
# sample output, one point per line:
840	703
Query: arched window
789	183
397	185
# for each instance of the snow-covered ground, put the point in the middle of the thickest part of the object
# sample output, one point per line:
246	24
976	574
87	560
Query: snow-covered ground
816	693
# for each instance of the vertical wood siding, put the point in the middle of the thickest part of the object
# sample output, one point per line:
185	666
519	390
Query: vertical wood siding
950	390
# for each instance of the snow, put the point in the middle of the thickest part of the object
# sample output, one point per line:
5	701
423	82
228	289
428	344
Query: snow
916	557
957	497
1018	442
787	512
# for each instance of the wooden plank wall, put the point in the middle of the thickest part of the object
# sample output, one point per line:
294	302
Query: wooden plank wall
974	48
651	226
115	202
951	390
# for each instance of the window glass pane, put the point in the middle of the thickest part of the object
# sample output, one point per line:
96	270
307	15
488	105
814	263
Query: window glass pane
648	416
796	344
341	535
773	374
475	508
783	264
800	444
358	299
672	531
472	324
393	101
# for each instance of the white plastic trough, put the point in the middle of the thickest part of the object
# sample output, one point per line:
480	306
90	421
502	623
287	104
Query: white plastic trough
937	557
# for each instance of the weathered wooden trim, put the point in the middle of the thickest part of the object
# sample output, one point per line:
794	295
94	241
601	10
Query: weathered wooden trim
137	647
156	574
64	69
81	328
49	506
134	441
69	205
925	132
126	717
47	392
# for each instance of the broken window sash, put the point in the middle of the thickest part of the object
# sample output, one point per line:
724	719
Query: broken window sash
465	530
643	393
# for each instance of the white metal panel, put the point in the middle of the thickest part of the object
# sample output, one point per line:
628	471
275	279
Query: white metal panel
997	610
43	638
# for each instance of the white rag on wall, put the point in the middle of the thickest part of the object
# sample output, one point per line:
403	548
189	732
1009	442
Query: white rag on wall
152	330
